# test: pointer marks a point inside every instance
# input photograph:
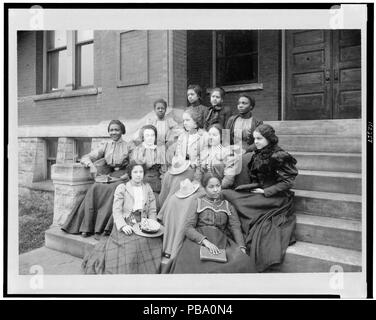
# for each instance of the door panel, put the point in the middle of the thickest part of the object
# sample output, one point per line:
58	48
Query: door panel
323	77
346	64
307	75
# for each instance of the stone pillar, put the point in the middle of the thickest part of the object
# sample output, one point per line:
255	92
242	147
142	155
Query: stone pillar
65	151
71	181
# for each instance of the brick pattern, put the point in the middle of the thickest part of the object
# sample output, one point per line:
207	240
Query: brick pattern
180	68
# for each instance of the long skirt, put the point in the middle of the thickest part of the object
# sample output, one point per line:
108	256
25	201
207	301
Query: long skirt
267	223
188	258
93	214
123	254
171	183
173	215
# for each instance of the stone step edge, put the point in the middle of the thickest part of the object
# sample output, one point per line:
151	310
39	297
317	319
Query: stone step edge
331	174
329	154
327	222
326	253
334	196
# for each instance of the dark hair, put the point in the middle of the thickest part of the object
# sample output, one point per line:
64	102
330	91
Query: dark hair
219	127
119	123
251	100
196	88
207	176
133	164
196	117
160	101
268	132
220	90
151	127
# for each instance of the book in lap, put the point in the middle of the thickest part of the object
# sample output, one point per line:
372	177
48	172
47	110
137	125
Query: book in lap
206	255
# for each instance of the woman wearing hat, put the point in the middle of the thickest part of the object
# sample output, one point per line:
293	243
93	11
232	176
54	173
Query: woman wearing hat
92	215
186	160
265	202
214	242
129	249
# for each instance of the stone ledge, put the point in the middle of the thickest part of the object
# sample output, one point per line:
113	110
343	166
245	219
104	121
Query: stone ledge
67	94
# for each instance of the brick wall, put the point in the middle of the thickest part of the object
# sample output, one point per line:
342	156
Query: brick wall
129	102
199	71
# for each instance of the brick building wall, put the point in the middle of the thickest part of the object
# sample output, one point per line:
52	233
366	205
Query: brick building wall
268	99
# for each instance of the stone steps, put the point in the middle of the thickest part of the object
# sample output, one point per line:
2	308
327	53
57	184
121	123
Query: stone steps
334	232
321	143
341	127
74	245
326	161
335	205
304	257
328	181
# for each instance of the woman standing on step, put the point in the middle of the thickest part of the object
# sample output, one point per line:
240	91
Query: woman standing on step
264	204
108	164
128	250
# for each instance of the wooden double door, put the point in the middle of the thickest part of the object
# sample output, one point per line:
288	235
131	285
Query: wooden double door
323	74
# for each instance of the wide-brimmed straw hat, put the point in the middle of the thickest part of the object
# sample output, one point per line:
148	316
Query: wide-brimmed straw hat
137	230
179	166
187	188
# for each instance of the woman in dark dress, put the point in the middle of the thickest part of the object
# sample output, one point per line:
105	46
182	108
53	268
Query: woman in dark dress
264	204
212	222
92	215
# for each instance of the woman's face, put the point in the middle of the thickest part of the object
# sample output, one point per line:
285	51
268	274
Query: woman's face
215	98
188	122
214	137
149	136
213	188
244	105
115	132
160	110
192	96
137	174
260	141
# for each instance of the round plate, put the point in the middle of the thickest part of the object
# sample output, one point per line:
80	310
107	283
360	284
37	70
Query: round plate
137	230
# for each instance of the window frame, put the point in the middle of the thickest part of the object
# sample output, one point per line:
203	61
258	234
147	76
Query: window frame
77	75
240	86
71	45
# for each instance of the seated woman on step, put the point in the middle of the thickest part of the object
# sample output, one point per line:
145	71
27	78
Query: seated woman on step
264	203
214	242
92	214
128	249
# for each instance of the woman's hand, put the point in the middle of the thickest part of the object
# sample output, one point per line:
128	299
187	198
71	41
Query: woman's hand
212	248
93	171
258	190
127	230
242	249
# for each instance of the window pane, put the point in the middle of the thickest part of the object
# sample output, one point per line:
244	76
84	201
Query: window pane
85	54
51	148
237	70
57	68
83	35
56	39
83	146
236	42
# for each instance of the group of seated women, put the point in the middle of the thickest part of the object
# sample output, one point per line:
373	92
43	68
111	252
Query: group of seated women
222	208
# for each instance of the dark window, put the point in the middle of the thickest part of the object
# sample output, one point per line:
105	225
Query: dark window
51	144
84	58
56	60
83	146
236	57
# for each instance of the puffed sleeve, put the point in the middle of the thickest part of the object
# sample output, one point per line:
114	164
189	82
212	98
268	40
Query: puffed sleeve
117	207
203	147
284	165
231	163
191	223
235	227
88	159
152	214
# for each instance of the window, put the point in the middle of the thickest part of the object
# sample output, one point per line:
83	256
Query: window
56	60
84	58
69	59
82	147
51	145
236	57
